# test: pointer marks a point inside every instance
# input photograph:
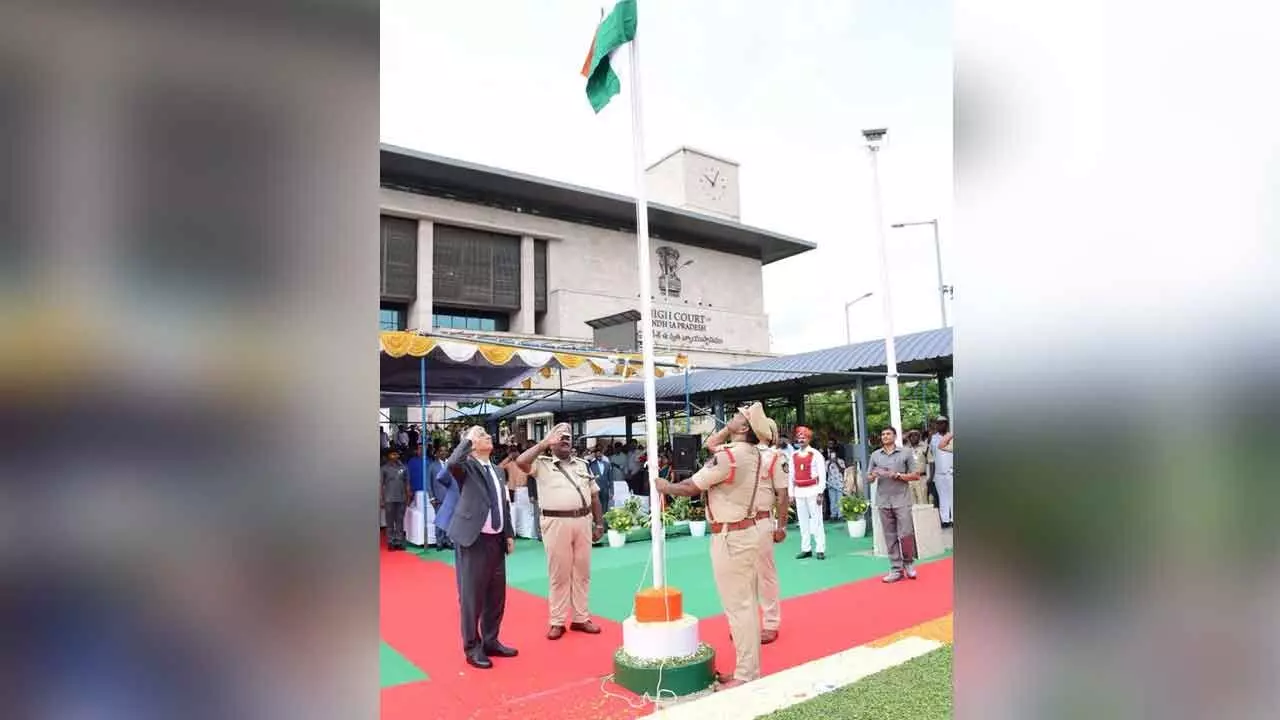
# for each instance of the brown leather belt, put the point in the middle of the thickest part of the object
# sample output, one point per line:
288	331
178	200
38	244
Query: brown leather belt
764	514
740	525
580	512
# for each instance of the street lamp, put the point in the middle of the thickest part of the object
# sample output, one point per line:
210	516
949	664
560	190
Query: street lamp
943	290
848	337
874	140
848	333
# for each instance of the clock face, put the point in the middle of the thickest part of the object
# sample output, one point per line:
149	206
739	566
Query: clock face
712	183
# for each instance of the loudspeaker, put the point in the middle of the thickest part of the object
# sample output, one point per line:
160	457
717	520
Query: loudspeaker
685	450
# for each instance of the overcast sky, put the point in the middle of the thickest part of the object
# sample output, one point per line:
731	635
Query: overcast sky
782	88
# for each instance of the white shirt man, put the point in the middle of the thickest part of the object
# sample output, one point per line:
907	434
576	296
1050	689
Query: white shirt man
498	491
808	481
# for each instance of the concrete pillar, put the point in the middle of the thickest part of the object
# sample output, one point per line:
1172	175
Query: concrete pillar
717	409
797	401
860	399
523	321
419	316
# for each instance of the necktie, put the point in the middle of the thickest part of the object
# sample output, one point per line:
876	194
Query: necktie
495	506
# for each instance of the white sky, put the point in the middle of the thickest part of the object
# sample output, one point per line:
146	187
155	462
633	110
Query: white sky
782	88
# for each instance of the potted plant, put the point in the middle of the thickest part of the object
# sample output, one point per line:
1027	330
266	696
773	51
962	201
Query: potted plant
697	520
680	510
855	506
620	521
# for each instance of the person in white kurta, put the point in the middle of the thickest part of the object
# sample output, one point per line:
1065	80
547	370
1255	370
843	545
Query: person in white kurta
808	481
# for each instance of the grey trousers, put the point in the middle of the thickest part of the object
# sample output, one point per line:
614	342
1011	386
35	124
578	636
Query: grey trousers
899	535
395	522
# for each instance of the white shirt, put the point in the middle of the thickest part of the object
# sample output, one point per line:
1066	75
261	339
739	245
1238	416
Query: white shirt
488	528
943	462
819	470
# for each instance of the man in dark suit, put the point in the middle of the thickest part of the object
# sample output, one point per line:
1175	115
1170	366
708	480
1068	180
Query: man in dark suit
481	530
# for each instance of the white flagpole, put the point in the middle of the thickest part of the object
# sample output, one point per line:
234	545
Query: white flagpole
646	318
886	299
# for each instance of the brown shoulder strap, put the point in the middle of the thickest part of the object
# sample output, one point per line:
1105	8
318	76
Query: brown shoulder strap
573	484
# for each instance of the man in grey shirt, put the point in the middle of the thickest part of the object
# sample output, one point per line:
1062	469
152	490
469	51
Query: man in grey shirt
395	494
892	468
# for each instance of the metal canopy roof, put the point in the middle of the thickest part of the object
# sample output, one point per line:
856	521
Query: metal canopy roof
926	352
428	174
615	319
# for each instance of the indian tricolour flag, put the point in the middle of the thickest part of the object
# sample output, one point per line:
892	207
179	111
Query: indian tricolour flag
616	29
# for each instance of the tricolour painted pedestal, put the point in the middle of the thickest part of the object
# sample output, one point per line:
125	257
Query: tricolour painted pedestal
660	654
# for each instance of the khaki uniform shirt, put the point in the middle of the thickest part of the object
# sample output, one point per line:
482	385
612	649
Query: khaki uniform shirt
555	491
730	480
920	453
773	477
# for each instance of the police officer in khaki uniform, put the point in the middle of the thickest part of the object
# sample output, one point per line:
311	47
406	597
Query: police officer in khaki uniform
571	520
731	480
771	502
920	453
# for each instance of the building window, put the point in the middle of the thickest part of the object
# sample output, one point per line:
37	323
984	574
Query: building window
399	259
391	317
475	269
472	321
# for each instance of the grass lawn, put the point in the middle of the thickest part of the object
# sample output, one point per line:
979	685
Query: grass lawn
916	690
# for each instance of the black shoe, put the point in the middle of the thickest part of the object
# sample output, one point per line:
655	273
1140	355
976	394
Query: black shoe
477	659
822	556
500	650
804	555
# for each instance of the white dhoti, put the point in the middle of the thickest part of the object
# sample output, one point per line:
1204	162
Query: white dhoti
809	516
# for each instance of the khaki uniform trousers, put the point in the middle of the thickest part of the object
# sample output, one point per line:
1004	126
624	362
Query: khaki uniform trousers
767	568
919	492
568	545
734	556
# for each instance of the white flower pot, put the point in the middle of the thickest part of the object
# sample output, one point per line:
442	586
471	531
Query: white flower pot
697	528
857	528
617	539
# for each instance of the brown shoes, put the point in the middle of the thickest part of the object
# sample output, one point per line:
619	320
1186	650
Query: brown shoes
557	631
768	636
725	682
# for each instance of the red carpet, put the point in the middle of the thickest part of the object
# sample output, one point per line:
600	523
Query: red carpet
561	679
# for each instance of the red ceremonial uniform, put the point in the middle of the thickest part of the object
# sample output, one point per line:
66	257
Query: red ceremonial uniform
805	476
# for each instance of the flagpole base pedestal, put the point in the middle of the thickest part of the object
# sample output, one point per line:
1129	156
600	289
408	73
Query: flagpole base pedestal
667	677
660	656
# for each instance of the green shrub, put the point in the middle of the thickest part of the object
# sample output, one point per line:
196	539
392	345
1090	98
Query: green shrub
619	519
853	506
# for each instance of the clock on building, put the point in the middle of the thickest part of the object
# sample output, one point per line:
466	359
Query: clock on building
712	183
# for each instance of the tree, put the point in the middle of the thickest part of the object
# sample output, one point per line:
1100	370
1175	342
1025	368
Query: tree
830	414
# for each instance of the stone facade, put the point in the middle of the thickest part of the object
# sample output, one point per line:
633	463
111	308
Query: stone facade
713	302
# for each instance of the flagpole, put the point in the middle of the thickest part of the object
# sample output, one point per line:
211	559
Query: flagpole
646	318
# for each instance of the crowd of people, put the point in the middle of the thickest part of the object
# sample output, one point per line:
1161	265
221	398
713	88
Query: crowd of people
472	486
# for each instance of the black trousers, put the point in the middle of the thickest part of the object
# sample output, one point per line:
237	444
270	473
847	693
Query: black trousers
482	572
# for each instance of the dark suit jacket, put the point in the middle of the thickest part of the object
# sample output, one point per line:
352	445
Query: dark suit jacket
475	495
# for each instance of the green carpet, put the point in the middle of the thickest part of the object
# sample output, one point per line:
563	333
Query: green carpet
616	573
919	689
395	669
